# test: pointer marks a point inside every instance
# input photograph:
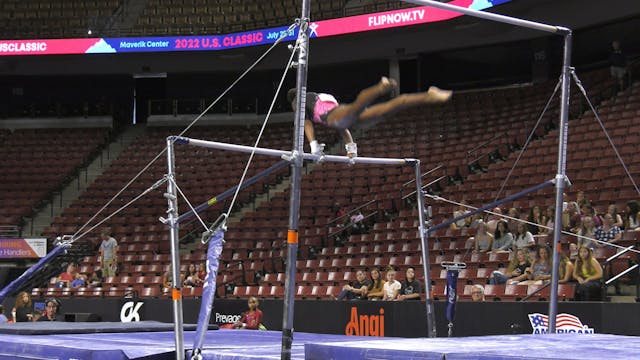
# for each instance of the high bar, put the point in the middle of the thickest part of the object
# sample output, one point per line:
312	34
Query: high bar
494	17
287	154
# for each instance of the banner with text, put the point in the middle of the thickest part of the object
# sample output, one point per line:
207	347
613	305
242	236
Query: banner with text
323	28
16	248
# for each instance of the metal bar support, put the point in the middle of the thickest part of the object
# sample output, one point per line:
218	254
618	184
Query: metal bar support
172	221
426	267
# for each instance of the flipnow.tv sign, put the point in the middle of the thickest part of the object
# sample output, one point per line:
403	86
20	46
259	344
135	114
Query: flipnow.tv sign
365	324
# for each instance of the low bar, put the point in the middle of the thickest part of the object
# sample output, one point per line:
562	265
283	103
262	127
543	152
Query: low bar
520	194
491	16
287	154
227	193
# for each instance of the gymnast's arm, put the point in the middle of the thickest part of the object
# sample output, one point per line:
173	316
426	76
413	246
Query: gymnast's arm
309	130
346	136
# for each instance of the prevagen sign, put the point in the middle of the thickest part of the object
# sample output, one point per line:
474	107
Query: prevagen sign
323	28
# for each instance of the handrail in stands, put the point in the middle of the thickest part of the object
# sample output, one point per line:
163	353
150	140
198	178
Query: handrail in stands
425	174
424	186
349	226
350	212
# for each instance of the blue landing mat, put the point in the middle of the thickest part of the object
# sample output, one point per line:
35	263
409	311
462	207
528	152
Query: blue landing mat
251	345
504	347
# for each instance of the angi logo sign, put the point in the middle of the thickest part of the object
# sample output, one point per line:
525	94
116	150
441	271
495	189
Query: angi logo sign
565	324
365	325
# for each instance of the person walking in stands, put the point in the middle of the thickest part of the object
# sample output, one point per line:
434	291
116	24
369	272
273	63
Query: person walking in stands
618	62
252	318
108	254
410	288
324	109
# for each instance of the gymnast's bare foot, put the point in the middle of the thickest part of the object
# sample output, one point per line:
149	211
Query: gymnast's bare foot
388	84
436	95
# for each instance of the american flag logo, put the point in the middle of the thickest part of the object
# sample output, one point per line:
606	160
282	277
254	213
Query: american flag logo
564	322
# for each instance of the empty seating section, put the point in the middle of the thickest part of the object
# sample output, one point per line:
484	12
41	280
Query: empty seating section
35	163
71	19
37	19
187	17
201	174
448	135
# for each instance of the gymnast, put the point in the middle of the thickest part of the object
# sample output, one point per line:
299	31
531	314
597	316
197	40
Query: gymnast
324	109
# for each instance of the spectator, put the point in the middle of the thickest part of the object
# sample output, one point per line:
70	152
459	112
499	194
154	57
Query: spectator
192	279
52	306
513	213
587	232
548	221
375	291
64	279
108	254
573	251
167	281
340	215
252	318
536	217
523	238
410	288
79	281
461	210
618	62
493	219
540	270
202	272
95	280
588	272
607	233
569	211
588	211
24	307
565	269
633	220
483	239
516	271
391	287
502	238
613	210
356	290
477	293
3	318
357	225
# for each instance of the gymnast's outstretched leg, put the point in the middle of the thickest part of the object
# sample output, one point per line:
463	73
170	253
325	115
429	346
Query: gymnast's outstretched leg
432	96
345	115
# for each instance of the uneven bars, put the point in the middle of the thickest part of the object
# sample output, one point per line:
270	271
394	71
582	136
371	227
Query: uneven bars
287	154
494	17
216	199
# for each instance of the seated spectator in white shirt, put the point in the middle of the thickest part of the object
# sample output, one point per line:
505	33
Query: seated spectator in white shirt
392	287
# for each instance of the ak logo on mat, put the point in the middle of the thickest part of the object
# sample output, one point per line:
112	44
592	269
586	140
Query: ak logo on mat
365	325
565	323
129	311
